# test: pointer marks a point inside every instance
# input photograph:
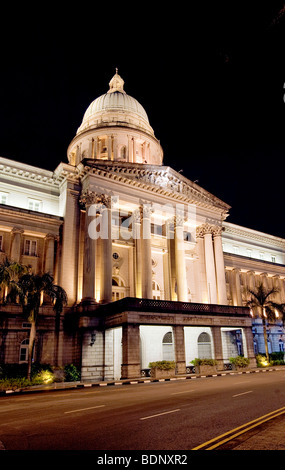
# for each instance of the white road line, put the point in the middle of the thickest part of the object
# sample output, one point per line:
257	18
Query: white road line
84	409
186	391
243	393
160	414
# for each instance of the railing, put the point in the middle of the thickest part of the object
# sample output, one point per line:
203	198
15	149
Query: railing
153	305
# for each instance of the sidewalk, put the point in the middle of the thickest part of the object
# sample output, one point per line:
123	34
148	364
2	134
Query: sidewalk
140	380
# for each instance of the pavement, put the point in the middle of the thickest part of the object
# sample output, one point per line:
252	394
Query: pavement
267	436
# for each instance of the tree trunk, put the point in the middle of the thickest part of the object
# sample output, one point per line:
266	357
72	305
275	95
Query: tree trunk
31	347
265	339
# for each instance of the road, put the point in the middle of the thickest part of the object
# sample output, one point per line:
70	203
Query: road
173	415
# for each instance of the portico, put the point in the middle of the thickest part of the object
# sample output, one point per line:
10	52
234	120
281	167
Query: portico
130	314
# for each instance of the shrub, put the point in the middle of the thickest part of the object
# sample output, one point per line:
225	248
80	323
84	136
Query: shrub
71	373
14	383
239	361
164	365
204	362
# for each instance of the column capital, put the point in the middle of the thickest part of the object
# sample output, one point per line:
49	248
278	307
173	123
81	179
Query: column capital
17	230
50	236
91	197
217	230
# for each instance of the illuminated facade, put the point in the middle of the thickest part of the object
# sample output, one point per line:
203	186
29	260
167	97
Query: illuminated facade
165	242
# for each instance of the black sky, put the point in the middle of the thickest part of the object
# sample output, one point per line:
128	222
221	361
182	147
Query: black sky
210	76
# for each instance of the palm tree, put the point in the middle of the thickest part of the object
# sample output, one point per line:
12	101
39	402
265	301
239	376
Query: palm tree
31	287
10	272
265	308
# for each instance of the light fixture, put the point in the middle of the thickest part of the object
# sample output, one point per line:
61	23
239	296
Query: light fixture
93	339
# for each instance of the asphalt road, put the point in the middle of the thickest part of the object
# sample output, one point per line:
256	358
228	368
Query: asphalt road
175	415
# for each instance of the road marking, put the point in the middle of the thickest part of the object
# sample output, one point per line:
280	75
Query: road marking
186	391
243	393
160	414
84	409
233	434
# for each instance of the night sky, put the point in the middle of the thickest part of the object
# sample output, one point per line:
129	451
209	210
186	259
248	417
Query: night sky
210	76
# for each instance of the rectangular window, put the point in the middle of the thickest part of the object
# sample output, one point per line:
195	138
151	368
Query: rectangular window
3	198
249	253
34	205
30	248
273	259
1	242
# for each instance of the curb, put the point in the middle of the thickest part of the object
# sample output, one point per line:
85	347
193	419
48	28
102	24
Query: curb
75	386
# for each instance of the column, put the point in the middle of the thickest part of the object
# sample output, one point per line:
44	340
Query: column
169	227
166	275
146	252
181	279
70	241
179	344
235	277
200	266
276	285
130	149
218	347
210	264
106	247
131	367
220	266
109	146
249	346
137	252
16	244
88	284
49	258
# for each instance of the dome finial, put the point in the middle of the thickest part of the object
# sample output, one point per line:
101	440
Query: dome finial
116	84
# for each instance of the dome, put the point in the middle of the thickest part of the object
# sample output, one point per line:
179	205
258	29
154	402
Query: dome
115	108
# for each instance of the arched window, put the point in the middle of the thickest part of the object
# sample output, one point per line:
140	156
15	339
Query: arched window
24	351
156	291
119	290
168	347
204	346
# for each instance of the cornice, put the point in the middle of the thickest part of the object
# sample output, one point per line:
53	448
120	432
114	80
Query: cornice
245	233
253	264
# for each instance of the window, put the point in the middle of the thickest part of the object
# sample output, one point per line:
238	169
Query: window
30	248
1	242
273	259
24	351
34	205
3	198
156	291
119	291
261	255
204	346
168	347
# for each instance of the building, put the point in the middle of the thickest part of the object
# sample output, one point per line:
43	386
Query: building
151	268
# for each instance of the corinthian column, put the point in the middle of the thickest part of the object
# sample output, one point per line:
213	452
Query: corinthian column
210	264
88	288
220	266
106	244
182	291
146	253
138	252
